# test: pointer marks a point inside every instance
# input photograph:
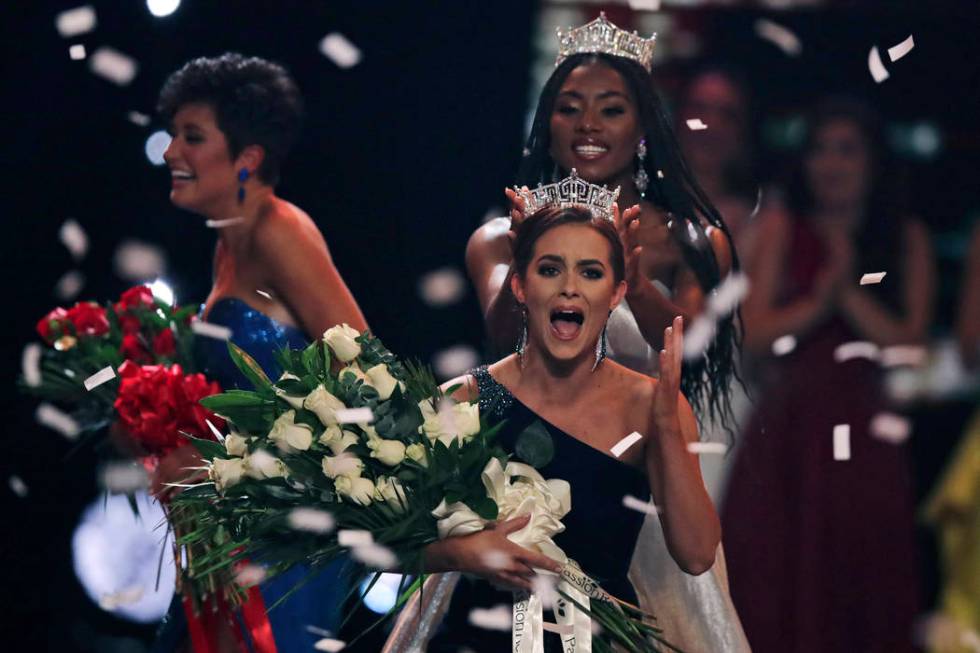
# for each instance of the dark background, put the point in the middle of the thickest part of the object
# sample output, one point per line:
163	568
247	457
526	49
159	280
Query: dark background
401	158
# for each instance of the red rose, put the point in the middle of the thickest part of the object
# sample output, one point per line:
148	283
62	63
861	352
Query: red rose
135	297
88	319
164	344
133	349
52	326
129	323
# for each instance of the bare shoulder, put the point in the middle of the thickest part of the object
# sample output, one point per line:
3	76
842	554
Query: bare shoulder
466	388
286	228
633	390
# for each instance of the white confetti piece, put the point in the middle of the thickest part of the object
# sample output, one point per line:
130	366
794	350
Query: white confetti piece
904	355
18	486
375	556
110	64
495	559
878	72
646	507
352	538
561	629
890	427
57	420
69	285
250	575
156	146
354	416
211	330
496	618
74	238
442	287
856	349
138	261
319	632
76	21
620	447
102	376
221	224
30	364
338	48
311	520
842	442
123	477
76	52
644	5
138	118
783	345
708	448
214	431
128	596
330	645
695	124
698	336
660	174
896	52
264	294
455	360
872	278
780	36
544	586
726	297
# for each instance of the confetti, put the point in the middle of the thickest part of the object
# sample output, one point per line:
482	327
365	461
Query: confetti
695	124
69	285
877	68
620	447
57	420
221	224
76	21
128	596
660	174
76	52
312	520
250	575
780	36
30	364
18	486
872	278
842	442
783	345
264	294
156	146
561	629
896	52
211	330
890	427
336	47
354	416
74	238
856	349
102	376
544	585
455	360
698	336
442	287
320	632
707	448
137	261
644	5
138	118
727	295
375	555
330	645
214	430
495	618
113	65
352	538
904	355
495	559
123	477
633	503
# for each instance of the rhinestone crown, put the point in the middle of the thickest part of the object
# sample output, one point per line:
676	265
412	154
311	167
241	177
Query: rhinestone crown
570	191
601	36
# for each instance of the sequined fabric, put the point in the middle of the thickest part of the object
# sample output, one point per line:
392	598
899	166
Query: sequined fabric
495	399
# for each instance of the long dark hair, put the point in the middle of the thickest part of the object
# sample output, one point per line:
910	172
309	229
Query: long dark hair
706	381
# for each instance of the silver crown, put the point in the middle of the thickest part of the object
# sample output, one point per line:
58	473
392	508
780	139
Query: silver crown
601	36
570	191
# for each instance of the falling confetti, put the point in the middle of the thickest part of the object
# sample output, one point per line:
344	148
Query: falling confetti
896	52
76	52
312	520
250	575
495	618
102	376
780	36
214	431
455	360
264	294
69	285
375	556
135	260
495	559
856	349
644	5
633	503
695	124
872	278
707	448
57	420
904	355
330	645
138	118
783	345
726	297
699	335
30	364
128	596
877	68
74	238
123	477
442	287
76	21
354	416
620	447
211	330
18	486
319	632
113	65
221	224
336	47
352	538
890	427
842	442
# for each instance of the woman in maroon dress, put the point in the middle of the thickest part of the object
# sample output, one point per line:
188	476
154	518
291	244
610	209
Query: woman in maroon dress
821	553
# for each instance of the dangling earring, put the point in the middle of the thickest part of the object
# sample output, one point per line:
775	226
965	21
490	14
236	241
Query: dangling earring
600	345
522	338
641	179
242	178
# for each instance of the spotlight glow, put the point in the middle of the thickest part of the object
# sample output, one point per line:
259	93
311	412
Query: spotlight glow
161	8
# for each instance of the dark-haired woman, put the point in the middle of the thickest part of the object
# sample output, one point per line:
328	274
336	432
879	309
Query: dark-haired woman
820	535
233	120
595	111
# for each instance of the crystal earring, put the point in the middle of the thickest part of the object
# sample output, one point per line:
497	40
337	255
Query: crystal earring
641	179
522	338
242	178
600	345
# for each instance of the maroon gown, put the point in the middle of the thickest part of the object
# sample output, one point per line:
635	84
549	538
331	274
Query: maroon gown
820	552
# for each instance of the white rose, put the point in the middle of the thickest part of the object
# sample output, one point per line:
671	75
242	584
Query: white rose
356	371
295	402
417	453
467	418
290	436
389	452
359	490
390	490
236	445
341	341
381	380
344	465
226	473
338	439
457	519
324	404
261	464
459	421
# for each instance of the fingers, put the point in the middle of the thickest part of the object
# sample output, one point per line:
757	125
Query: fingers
678	342
535	560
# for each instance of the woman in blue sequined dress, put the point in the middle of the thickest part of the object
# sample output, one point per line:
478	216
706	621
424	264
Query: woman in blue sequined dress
233	120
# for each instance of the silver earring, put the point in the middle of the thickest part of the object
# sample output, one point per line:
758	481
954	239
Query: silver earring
522	338
641	179
600	346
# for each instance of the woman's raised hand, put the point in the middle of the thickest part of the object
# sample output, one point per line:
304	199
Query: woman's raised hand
665	396
628	226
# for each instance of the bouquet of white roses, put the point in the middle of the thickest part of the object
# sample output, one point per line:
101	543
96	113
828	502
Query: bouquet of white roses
353	451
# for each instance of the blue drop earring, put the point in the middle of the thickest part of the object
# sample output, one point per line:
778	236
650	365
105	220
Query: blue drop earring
242	178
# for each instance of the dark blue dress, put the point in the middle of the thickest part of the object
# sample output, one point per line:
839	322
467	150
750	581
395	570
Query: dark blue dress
599	534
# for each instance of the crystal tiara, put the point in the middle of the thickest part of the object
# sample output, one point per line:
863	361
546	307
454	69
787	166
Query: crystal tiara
570	191
601	36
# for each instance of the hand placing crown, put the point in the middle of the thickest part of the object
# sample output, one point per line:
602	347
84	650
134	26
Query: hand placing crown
602	37
570	191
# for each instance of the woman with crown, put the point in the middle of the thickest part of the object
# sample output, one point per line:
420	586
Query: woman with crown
599	114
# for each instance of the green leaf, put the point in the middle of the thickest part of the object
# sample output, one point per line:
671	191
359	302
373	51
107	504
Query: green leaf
234	399
312	360
483	506
209	448
247	365
535	446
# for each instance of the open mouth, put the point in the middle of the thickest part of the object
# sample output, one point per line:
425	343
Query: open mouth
180	175
566	323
